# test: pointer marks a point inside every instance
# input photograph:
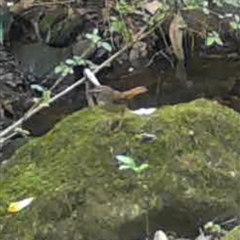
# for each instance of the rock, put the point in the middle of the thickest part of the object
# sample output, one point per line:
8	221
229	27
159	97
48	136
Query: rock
233	234
12	97
80	193
38	58
80	46
59	25
138	55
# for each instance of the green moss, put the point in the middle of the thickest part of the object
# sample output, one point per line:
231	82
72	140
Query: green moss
71	171
233	235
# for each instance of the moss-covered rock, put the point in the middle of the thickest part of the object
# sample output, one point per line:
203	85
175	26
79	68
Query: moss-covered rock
80	193
233	234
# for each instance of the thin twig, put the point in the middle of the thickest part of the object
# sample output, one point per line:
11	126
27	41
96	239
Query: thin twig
58	81
157	54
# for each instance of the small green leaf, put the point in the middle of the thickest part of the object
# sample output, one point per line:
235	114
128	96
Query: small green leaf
125	160
210	41
45	98
140	168
70	62
67	71
124	8
235	25
37	87
144	166
206	11
106	46
58	69
123	167
213	37
81	62
228	15
205	3
95	31
218	40
89	36
64	74
96	39
135	169
237	18
116	26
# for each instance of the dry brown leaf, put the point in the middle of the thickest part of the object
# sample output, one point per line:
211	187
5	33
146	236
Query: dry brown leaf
176	29
108	5
152	7
21	5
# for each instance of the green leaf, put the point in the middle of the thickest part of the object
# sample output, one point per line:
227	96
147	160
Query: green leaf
58	69
206	11
140	168
96	39
124	167
79	60
210	41
219	41
237	18
70	62
95	31
106	46
144	166
116	26
213	37
124	8
64	74
68	70
37	87
45	98
235	25
137	170
125	160
89	36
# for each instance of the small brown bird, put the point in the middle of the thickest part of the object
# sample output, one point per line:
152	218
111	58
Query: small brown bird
114	100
